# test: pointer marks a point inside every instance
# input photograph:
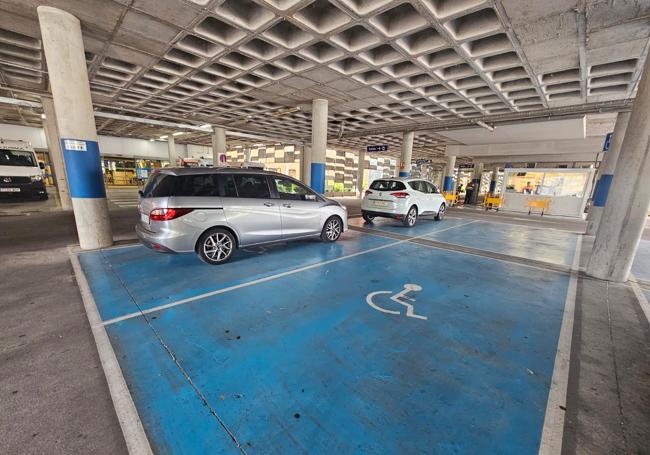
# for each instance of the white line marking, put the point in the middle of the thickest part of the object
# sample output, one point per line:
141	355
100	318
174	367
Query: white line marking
643	302
265	279
553	430
132	429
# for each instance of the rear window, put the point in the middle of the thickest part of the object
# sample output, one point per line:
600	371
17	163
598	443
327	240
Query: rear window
252	186
387	185
166	185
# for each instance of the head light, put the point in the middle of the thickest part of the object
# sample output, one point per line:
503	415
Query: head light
37	178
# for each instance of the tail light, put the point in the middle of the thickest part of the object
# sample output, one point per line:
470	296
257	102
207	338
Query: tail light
167	214
400	194
367	193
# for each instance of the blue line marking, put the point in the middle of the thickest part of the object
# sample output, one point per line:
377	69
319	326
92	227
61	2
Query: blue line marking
318	177
84	170
303	364
602	190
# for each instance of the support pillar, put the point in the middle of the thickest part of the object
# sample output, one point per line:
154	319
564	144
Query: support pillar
361	167
247	154
448	184
54	150
218	145
495	179
306	164
404	169
626	209
318	144
171	150
606	173
64	53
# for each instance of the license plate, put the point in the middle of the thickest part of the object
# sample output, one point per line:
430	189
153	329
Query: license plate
381	204
144	217
9	190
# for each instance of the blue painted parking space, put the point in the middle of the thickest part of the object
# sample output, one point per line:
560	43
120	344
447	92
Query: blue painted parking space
547	245
331	359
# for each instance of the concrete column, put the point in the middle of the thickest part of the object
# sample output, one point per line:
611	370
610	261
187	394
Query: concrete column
306	164
54	150
247	154
448	184
218	144
318	144
606	173
626	209
495	179
171	150
361	166
404	169
66	62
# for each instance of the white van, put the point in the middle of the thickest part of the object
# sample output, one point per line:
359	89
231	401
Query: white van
20	172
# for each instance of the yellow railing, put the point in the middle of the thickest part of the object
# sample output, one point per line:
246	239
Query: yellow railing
542	204
451	198
491	201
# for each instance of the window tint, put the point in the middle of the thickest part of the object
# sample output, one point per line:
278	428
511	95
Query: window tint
252	186
226	185
418	185
159	185
288	189
432	188
196	185
387	185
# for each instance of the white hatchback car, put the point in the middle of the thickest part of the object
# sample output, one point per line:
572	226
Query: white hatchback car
403	199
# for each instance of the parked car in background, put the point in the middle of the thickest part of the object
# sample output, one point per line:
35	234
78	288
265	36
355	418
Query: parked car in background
403	199
20	172
214	211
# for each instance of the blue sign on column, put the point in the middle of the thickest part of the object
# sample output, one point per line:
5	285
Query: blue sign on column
608	142
83	167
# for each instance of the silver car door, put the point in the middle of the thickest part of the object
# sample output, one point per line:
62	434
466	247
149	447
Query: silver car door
253	214
300	208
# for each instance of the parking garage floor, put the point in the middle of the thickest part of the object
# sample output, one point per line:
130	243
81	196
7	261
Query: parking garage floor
439	338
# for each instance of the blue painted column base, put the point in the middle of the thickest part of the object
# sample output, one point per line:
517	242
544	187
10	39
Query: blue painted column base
318	177
602	189
83	168
404	174
448	184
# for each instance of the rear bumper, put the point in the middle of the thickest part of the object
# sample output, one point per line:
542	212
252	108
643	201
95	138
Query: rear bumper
164	242
397	216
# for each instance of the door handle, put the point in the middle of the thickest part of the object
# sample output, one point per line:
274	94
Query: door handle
286	205
269	204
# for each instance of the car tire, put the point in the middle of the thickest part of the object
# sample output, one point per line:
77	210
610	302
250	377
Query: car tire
216	246
441	212
332	229
411	217
367	218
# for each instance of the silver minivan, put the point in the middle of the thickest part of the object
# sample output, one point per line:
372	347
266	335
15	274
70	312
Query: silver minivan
213	211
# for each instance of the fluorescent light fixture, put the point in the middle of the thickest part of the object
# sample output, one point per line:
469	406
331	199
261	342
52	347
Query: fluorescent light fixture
178	133
43	116
206	126
163	137
151	140
490	128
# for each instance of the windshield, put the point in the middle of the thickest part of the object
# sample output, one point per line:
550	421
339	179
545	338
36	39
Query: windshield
16	158
387	185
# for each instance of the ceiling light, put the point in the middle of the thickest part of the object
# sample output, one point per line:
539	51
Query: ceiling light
43	116
490	128
151	140
178	133
163	137
206	126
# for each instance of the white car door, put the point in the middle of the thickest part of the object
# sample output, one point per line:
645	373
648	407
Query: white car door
423	199
437	199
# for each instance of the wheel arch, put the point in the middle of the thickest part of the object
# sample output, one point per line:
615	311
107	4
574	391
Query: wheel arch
219	226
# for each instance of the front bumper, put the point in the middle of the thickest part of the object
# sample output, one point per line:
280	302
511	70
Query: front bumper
14	189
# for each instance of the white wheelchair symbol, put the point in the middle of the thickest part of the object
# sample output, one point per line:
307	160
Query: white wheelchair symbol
400	298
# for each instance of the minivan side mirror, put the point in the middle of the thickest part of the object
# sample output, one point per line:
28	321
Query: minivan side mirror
41	165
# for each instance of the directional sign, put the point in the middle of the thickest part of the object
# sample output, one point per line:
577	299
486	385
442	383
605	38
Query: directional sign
420	162
608	142
377	148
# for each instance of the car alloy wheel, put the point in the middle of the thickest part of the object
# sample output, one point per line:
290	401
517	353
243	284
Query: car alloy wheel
411	217
332	229
216	246
441	212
